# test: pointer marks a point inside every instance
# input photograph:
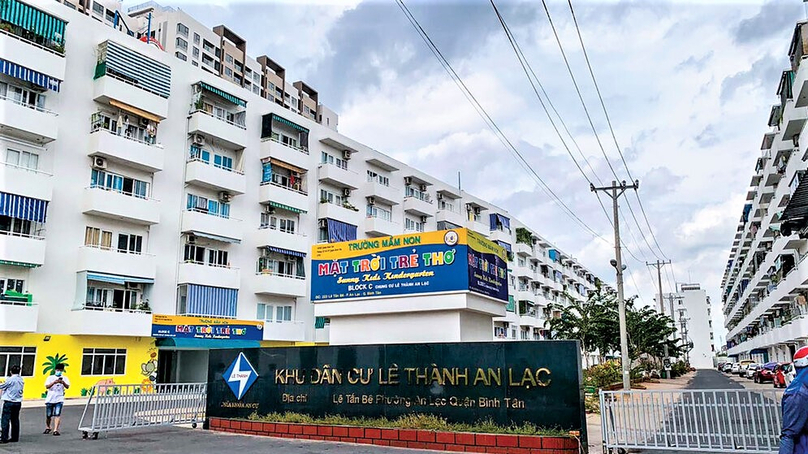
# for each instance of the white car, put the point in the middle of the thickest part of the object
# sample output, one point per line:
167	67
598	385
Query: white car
750	370
736	369
727	368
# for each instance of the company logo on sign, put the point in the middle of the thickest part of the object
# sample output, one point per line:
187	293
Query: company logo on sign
240	376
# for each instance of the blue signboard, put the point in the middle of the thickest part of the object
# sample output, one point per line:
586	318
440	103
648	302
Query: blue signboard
185	327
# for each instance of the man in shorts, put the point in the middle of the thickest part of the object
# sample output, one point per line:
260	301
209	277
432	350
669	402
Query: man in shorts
56	385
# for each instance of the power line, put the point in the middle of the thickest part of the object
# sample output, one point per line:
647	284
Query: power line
488	120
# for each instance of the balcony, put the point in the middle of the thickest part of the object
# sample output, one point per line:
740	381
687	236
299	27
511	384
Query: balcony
283	194
793	120
32	55
420	205
382	192
110	322
26	182
339	213
210	176
132	152
524	271
501	235
28	122
114	262
530	320
297	156
375	226
449	213
800	86
18	248
522	249
197	221
337	176
526	295
108	87
230	134
270	283
18	317
274	237
120	206
478	226
291	331
212	276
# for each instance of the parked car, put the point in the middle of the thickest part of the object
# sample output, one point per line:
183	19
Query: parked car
743	365
728	368
783	374
751	370
720	367
736	369
765	373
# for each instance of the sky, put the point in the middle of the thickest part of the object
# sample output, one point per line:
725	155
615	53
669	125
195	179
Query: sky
688	87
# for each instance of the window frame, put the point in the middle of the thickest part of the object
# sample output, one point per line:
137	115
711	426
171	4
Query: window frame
24	352
104	354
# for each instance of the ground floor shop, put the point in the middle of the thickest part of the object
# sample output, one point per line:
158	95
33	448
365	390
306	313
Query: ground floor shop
92	360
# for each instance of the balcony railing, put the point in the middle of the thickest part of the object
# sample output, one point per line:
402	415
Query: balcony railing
119	251
28	169
195	314
265	226
301	148
278	181
420	195
210	114
18	33
21	235
214	265
218	215
143	308
218	166
99	124
28	105
267	267
120	191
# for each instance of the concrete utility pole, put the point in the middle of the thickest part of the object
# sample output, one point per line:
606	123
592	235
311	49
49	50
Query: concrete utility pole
658	265
615	191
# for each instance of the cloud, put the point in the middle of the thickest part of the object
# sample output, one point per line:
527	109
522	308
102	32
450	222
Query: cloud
696	63
766	70
773	18
707	137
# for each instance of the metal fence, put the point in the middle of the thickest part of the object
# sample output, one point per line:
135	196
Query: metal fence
738	421
118	407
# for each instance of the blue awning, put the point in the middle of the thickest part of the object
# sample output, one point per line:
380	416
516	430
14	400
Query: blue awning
213	237
205	344
340	231
25	208
29	75
34	20
280	250
115	279
505	245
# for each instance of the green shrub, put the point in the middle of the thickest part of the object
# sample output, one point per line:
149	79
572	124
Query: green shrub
603	375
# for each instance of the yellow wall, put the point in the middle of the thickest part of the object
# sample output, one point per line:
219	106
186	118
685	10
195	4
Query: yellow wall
141	357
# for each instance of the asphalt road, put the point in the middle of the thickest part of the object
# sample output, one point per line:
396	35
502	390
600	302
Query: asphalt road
167	440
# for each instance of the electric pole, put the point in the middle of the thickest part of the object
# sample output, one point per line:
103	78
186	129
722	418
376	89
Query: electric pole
615	191
658	265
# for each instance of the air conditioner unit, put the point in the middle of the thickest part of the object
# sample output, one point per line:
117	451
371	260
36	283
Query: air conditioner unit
422	187
322	223
440	196
132	286
346	192
423	218
191	238
269	209
371	201
407	181
290	257
99	162
346	154
225	197
199	139
476	210
144	122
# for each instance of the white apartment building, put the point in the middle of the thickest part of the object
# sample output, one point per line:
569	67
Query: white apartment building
764	285
137	184
692	317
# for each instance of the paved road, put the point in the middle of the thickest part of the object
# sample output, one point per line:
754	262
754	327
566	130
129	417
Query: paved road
721	419
168	440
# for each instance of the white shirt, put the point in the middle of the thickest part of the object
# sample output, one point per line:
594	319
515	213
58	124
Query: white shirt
56	393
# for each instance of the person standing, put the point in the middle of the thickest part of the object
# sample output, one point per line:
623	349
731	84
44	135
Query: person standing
56	385
794	436
12	402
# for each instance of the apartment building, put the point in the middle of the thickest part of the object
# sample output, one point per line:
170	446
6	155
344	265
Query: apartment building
765	281
690	310
223	52
137	185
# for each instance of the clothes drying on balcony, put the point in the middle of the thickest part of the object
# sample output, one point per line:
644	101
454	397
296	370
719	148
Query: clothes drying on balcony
25	208
500	222
340	231
29	75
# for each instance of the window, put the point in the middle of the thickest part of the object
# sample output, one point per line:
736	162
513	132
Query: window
207	46
15	285
330	197
228	72
326	158
25	357
98	8
183	30
181	56
22	159
196	38
256	89
223	162
447	205
280	313
130	243
411	225
96	237
103	361
182	44
22	96
375	211
381	179
196	52
277	223
195	63
228	59
14	225
205	205
119	183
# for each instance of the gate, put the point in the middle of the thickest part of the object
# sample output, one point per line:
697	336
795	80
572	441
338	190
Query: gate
118	407
738	421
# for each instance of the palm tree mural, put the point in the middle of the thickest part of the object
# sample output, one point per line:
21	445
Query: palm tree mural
52	361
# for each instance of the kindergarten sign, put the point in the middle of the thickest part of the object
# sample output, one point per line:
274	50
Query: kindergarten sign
182	326
429	262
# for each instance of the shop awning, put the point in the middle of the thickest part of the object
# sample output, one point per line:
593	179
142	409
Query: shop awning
286	165
234	99
281	250
286	207
31	19
20	264
134	111
213	237
282	120
29	75
205	344
116	279
25	208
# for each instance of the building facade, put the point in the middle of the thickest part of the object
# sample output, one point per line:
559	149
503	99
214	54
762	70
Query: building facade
764	284
692	317
138	184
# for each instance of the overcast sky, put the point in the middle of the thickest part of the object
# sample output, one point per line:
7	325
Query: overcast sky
688	86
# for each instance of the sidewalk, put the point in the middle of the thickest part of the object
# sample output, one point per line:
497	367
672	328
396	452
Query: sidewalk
593	427
40	403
